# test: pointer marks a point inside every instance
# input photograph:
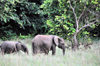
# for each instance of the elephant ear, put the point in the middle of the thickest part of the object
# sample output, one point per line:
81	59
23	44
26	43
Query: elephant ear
18	46
56	40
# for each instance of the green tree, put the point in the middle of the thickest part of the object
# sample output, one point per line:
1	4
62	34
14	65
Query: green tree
69	18
20	17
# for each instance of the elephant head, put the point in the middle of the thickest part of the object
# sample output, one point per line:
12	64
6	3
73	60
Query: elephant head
21	46
60	43
24	48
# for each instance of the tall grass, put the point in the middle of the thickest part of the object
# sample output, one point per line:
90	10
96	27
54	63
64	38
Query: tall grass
89	57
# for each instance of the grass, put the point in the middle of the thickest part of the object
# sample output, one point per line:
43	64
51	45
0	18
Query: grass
89	57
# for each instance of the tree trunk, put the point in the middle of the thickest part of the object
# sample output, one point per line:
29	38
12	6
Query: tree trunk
75	46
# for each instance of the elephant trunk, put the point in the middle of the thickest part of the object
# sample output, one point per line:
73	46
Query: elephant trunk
0	46
27	51
63	51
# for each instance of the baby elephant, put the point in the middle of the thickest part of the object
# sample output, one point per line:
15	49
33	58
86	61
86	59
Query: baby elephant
8	47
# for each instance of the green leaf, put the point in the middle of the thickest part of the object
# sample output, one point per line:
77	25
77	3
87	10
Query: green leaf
50	23
85	32
70	24
51	30
93	26
66	27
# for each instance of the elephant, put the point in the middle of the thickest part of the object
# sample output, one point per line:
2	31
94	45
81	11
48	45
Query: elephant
45	43
8	47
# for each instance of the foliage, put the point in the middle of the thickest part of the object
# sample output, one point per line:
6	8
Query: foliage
50	16
61	20
20	16
24	36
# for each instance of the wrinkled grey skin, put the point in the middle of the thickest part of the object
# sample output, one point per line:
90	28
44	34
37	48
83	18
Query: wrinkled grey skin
45	43
8	47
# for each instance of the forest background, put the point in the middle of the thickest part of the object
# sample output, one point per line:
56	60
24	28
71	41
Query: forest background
70	19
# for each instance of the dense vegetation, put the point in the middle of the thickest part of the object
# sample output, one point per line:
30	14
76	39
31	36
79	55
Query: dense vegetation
20	17
70	19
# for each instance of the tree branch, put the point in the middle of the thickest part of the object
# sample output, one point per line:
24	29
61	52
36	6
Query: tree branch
81	14
87	25
92	12
73	9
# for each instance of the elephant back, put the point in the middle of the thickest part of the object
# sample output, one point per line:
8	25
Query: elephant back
9	44
40	39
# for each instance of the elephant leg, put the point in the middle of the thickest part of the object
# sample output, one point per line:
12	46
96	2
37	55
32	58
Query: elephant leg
46	51
12	50
43	49
8	50
2	51
35	50
53	50
15	50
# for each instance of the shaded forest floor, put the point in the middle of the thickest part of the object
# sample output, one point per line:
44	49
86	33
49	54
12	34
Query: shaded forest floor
82	57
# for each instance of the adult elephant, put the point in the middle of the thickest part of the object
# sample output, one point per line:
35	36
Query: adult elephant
8	47
45	43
